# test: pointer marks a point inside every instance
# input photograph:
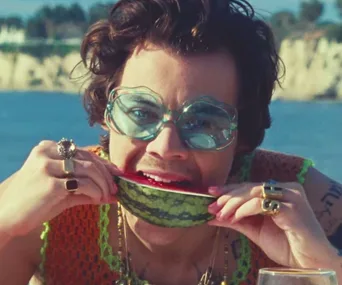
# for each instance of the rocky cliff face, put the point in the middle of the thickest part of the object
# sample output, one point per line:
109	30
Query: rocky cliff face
313	70
24	72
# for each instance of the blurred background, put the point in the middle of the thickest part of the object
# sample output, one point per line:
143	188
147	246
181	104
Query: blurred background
39	46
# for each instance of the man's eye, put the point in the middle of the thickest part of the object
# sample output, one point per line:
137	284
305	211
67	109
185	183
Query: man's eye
145	115
140	114
198	123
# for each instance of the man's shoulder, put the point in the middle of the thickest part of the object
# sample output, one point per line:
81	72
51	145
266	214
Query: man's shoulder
279	166
277	154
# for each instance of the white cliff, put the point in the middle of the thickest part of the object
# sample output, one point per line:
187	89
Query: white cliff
24	72
313	68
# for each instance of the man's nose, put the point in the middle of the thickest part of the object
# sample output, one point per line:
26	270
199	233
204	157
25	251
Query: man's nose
168	144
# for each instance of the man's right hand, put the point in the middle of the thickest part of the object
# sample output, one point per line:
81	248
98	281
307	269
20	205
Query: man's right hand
37	191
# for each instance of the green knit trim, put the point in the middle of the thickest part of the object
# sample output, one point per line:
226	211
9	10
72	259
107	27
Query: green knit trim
114	263
104	155
44	238
243	263
307	163
245	170
106	251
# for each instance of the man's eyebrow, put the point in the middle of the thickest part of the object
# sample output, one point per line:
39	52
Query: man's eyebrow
147	102
209	107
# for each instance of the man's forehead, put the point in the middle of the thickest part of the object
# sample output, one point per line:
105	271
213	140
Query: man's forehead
178	78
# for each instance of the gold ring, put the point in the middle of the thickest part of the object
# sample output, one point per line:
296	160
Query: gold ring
66	148
71	185
270	191
68	166
270	207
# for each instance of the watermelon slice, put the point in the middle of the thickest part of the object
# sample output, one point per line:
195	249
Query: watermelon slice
164	204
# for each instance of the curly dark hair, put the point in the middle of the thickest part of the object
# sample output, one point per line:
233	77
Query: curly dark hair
187	27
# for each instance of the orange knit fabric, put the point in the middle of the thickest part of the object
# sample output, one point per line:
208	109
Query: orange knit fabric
73	251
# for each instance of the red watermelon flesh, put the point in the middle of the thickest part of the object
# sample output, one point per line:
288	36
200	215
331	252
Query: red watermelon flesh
185	186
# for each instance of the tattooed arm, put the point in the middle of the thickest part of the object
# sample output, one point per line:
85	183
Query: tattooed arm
325	197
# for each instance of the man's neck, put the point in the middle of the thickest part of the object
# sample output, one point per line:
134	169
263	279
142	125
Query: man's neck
170	245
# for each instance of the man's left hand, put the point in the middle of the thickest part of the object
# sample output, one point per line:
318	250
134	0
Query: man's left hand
291	237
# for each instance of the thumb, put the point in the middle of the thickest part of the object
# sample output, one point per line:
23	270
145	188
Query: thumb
81	199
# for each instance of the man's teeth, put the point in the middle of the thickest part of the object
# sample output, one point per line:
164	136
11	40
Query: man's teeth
158	179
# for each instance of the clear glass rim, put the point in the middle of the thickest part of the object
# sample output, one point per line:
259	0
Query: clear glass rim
297	271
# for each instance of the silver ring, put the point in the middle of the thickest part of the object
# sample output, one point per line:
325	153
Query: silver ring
66	148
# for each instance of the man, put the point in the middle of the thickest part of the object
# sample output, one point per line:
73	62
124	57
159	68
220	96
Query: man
183	88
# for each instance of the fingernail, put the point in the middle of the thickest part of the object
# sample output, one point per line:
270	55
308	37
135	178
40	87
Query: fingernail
213	205
114	189
219	216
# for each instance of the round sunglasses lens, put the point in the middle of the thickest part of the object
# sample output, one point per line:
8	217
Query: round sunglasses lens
205	126
137	115
200	141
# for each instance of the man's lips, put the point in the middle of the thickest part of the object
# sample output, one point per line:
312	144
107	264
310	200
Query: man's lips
167	178
170	176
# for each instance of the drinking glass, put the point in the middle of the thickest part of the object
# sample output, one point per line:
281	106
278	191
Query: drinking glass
293	276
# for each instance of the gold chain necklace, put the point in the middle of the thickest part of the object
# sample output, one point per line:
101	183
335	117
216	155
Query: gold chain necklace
128	277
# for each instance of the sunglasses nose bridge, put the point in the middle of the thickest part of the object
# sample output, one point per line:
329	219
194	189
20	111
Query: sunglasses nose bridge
168	117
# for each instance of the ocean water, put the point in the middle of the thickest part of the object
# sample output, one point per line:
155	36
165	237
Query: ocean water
309	129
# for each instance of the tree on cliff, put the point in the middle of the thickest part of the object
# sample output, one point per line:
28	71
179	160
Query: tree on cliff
311	11
98	11
282	24
15	22
57	22
339	6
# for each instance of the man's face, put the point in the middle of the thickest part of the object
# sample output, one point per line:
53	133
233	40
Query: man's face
176	79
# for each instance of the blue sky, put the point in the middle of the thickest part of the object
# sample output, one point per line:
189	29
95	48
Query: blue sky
28	7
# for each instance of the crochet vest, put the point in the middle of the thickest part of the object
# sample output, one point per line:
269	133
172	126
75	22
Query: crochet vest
76	251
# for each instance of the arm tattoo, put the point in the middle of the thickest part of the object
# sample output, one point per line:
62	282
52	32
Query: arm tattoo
334	193
340	252
336	239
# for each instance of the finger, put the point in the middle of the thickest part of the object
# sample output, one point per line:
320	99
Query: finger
85	169
220	190
250	208
229	207
86	187
226	204
291	192
78	200
87	155
105	167
286	219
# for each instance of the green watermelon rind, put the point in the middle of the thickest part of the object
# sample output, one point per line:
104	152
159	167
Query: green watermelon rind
164	208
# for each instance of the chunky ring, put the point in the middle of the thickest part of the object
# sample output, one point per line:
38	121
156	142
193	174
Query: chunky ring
68	166
270	207
71	185
66	148
271	191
